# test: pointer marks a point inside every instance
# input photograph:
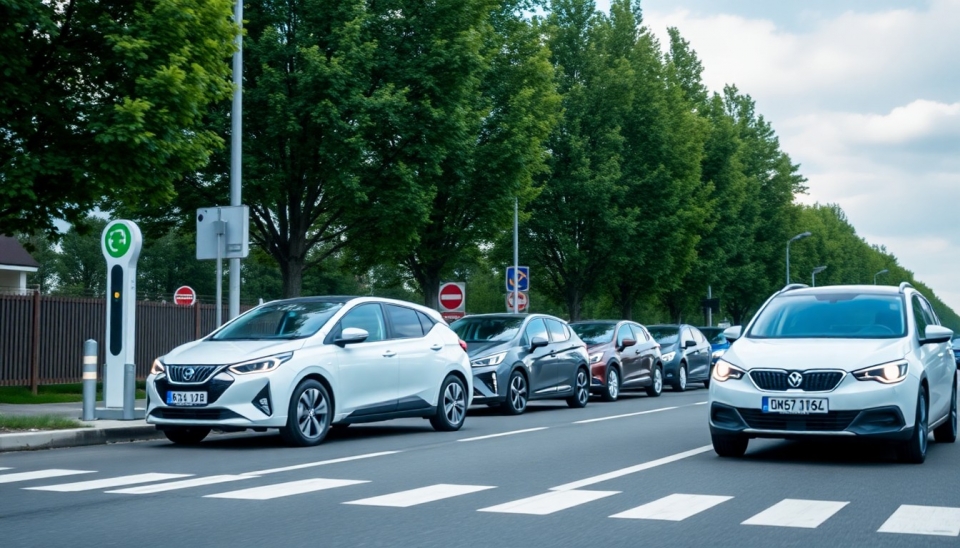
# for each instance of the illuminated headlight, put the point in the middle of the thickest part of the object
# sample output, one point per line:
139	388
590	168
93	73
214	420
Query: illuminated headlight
595	358
725	371
886	373
157	367
492	359
718	353
260	365
669	356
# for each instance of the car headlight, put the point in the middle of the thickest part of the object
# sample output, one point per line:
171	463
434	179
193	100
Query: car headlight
718	353
260	365
157	367
492	359
669	356
725	371
596	357
886	373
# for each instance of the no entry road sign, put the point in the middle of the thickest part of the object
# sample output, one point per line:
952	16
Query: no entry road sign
452	297
184	296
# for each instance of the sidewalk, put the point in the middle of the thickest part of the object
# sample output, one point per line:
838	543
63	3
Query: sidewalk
95	433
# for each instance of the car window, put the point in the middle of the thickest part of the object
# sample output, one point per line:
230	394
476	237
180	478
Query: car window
624	333
919	317
557	334
426	322
640	333
284	320
594	333
699	336
480	328
368	317
928	312
685	336
404	323
665	334
535	329
832	315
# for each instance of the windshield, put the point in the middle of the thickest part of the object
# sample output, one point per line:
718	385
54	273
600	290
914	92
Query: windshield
831	315
279	321
594	333
713	334
487	329
664	334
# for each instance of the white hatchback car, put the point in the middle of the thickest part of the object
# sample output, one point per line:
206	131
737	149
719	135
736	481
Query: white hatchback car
303	365
841	361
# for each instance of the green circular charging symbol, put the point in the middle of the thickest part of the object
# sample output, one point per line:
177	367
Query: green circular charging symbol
117	240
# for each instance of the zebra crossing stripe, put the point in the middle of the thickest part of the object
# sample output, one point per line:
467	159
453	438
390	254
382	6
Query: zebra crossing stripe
182	484
797	513
923	520
423	495
106	483
548	503
676	507
278	490
41	474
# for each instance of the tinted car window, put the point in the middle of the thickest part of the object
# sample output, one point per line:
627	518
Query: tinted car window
686	335
368	317
487	329
426	322
698	336
928	312
404	322
625	332
557	334
664	335
535	329
832	315
280	321
640	332
594	333
713	334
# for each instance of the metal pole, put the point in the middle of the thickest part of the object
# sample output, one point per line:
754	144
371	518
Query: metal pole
35	354
788	261
220	274
129	390
516	256
236	125
813	279
89	380
709	308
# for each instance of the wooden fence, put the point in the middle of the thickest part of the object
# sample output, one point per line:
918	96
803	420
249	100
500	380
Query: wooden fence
41	337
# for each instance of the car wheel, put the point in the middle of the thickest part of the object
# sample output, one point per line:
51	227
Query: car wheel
729	446
516	394
452	406
581	389
914	450
309	415
656	387
680	383
186	436
947	432
612	391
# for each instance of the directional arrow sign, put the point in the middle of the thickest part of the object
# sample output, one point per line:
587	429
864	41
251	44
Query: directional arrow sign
523	280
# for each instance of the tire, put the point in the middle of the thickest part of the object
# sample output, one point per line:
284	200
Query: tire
914	450
680	383
947	432
451	405
656	387
729	446
186	435
581	389
612	391
308	415
517	393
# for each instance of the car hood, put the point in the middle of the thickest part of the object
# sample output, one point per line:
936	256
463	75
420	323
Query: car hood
207	352
802	354
482	348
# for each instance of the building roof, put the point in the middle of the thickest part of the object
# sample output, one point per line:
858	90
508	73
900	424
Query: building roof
13	254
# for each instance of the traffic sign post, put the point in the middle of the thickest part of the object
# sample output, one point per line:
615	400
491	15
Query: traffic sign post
223	233
522	302
120	244
185	296
452	300
523	278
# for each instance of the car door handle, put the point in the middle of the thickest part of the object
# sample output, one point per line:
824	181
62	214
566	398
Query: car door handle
637	352
437	347
389	354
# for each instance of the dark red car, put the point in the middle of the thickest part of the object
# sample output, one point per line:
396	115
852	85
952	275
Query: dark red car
623	356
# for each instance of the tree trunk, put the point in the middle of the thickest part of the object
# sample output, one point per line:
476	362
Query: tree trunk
574	301
431	290
291	271
626	302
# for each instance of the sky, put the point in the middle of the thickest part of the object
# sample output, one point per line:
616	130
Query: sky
864	95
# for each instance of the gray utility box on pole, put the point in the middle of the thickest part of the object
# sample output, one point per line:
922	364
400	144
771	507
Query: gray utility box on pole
223	233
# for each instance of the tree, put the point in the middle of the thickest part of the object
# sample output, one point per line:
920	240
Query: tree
81	270
101	103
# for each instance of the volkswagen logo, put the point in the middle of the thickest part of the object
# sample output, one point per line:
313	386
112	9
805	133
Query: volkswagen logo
188	373
794	379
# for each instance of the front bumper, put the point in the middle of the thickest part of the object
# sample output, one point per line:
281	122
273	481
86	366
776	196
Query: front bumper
234	402
489	385
856	409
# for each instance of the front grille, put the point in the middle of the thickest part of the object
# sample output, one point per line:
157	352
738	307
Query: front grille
834	421
200	414
814	381
192	374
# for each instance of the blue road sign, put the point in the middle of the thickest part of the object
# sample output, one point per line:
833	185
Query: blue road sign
523	281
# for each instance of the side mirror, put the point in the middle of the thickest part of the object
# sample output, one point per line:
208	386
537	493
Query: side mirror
351	335
733	333
627	343
538	342
936	334
690	344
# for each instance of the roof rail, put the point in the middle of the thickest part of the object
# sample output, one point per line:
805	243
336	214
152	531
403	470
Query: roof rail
791	287
905	285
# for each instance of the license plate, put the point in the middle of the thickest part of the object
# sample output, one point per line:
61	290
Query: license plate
186	398
795	406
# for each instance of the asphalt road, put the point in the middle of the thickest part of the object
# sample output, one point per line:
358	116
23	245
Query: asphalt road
636	472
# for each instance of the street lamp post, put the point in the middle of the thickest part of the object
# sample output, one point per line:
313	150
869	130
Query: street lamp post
813	276
884	271
795	238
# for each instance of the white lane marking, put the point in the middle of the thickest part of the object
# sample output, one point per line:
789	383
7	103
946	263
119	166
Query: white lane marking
923	520
701	403
5	468
676	507
797	513
41	474
107	483
548	503
319	463
268	492
625	415
413	497
631	469
183	484
505	434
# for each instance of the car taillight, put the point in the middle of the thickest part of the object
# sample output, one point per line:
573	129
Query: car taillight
463	344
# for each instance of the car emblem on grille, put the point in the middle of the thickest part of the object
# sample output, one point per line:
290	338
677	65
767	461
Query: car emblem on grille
188	374
795	379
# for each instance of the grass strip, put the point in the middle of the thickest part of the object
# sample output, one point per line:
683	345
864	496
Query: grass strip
27	423
54	393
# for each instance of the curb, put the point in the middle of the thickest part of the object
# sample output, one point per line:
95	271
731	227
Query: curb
29	441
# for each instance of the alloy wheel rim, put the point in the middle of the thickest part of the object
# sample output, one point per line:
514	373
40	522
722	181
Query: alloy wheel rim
518	393
613	383
657	381
454	404
311	413
683	377
582	393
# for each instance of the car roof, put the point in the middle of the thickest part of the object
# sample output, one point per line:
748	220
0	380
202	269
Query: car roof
507	315
837	289
344	299
602	322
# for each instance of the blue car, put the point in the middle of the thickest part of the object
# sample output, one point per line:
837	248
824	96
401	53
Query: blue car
956	350
718	343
